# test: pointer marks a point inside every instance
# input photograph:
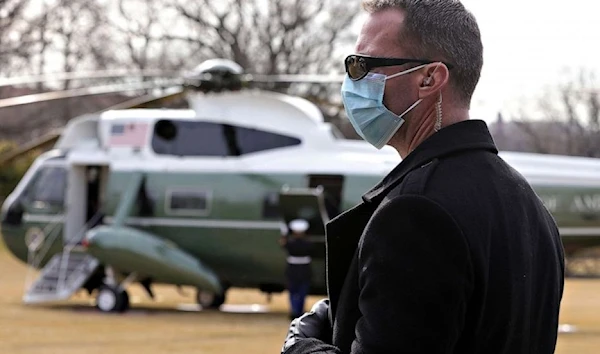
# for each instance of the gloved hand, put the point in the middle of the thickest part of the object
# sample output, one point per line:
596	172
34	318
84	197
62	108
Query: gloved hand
312	324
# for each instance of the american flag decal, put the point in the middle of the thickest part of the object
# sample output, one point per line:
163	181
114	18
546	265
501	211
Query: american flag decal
131	134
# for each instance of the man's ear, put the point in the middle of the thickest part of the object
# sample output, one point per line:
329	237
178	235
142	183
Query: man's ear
435	79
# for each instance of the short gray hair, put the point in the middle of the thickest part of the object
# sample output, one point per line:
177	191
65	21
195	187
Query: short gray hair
441	30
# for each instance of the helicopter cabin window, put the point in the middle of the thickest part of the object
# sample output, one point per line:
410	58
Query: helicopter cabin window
188	202
48	188
187	138
193	138
253	140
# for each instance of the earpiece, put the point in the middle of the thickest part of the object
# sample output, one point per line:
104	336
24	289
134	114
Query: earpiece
427	81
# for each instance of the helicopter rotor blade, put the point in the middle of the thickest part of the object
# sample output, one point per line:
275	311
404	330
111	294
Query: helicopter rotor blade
309	78
87	91
49	139
150	101
43	142
99	74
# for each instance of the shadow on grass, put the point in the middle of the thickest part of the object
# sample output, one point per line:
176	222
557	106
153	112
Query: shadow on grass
227	311
2	245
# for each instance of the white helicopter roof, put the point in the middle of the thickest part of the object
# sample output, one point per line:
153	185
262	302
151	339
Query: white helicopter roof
91	135
321	149
264	110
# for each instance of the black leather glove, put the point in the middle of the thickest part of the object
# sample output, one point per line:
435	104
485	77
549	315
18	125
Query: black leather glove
312	324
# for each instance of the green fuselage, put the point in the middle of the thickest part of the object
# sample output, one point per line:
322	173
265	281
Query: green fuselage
235	233
228	221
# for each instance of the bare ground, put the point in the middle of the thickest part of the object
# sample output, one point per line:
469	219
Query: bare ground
172	325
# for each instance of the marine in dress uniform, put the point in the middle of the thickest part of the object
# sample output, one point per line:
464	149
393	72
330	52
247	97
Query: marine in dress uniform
298	271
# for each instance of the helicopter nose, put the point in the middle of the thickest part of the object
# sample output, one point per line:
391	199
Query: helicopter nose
3	217
12	236
11	214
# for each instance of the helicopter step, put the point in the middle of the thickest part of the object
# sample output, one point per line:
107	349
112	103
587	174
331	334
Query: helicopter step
64	274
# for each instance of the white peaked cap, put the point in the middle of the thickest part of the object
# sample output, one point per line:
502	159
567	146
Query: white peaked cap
299	225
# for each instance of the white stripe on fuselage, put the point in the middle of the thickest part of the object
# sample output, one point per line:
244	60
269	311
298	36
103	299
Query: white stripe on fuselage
286	161
579	231
170	222
201	223
44	218
243	224
355	159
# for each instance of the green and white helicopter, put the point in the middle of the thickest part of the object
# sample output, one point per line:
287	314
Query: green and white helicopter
200	196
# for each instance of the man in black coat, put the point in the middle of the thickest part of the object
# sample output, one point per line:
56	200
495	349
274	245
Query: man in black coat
452	252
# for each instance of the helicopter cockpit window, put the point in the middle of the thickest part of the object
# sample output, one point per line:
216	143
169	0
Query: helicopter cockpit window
48	187
188	138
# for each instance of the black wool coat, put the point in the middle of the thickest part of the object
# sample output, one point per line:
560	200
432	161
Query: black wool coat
452	252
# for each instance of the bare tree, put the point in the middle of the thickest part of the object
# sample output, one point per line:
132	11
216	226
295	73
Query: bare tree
273	37
16	36
139	22
264	37
71	30
570	113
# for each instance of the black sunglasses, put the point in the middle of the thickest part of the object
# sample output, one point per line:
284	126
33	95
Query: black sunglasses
358	66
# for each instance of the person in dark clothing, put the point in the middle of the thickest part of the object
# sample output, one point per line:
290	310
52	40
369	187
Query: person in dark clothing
298	271
453	251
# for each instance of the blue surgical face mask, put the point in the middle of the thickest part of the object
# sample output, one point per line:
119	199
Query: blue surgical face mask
363	101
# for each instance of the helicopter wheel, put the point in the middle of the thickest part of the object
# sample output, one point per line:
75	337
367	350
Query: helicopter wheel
112	299
210	300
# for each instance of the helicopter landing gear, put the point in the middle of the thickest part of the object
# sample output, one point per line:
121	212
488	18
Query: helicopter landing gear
112	298
210	300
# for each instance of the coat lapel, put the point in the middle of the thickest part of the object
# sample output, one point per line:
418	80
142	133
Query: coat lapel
343	235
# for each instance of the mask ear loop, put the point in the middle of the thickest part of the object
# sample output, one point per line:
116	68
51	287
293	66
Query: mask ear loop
408	71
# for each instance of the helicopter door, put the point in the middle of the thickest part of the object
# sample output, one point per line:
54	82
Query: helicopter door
307	204
84	191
